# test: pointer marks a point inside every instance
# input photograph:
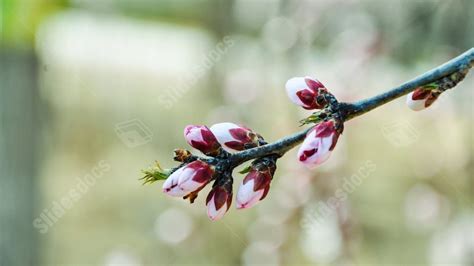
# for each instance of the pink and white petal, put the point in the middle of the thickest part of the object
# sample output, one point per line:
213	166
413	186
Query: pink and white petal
170	186
293	86
324	152
309	143
245	190
251	200
186	175
176	192
190	185
310	161
310	140
321	155
213	213
170	182
246	196
222	133
194	134
415	105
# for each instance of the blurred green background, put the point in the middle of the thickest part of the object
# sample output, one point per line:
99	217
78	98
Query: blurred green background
92	91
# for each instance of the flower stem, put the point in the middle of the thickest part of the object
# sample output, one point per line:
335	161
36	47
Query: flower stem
460	64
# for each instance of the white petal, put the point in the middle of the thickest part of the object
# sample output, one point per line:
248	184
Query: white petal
186	174
186	182
309	143
415	105
213	213
222	134
245	191
172	179
220	127
176	192
190	186
322	144
170	186
246	196
294	85
195	134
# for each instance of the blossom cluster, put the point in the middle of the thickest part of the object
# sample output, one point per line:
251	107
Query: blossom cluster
311	94
223	139
228	145
219	140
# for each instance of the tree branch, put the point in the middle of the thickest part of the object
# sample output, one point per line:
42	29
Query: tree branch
459	65
195	172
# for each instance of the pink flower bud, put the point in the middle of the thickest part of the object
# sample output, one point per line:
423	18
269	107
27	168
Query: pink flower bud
421	98
254	188
201	138
233	137
318	144
304	92
170	186
188	178
218	202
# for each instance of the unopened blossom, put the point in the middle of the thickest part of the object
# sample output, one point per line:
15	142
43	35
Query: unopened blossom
233	137
318	144
218	201
421	98
170	186
255	185
201	138
188	178
304	91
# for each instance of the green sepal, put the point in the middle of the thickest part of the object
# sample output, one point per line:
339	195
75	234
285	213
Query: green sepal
245	170
154	174
430	86
314	118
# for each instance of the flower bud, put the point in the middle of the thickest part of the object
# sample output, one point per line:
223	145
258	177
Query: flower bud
421	98
255	185
201	138
318	144
170	186
233	137
304	91
188	178
218	201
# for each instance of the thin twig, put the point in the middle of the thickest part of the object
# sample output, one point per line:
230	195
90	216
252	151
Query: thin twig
460	64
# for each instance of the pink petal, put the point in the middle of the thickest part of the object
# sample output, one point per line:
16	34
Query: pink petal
246	196
170	186
222	133
415	105
213	213
320	145
293	86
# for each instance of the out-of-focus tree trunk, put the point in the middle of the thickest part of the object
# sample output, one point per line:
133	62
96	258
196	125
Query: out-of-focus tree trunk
18	134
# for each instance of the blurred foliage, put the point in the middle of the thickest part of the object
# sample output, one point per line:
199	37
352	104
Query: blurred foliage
20	19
